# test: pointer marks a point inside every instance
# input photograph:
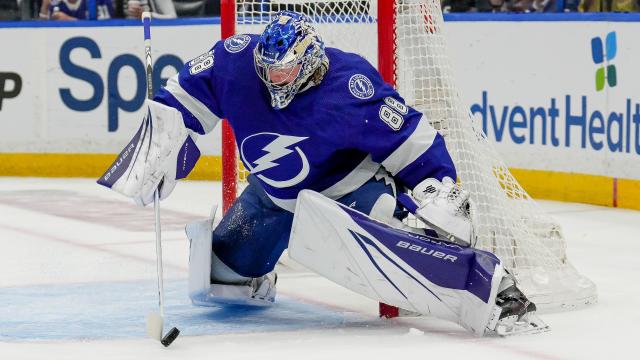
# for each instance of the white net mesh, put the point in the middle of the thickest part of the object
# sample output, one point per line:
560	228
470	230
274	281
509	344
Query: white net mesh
507	221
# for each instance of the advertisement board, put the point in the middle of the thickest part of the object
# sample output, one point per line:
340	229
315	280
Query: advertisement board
560	99
554	96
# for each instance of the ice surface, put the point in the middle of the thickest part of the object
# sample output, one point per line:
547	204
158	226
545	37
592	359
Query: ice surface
77	279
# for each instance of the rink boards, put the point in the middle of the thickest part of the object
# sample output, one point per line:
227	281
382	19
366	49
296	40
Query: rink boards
558	96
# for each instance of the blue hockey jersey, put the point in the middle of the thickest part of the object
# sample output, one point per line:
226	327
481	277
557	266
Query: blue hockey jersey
79	9
332	138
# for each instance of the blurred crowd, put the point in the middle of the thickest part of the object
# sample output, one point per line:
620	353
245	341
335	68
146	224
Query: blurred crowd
105	9
520	6
114	9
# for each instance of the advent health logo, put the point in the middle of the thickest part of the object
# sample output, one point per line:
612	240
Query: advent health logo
603	53
571	118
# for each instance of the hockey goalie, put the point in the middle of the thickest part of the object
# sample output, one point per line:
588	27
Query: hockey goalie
334	153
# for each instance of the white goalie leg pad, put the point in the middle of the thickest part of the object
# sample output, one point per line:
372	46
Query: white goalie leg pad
399	268
199	234
231	288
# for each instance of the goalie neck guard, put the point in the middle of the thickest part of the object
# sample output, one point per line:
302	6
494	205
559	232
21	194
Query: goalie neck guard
288	53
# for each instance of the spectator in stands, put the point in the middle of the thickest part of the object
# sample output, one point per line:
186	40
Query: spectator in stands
456	6
190	8
472	5
44	10
609	5
510	5
9	10
567	6
78	10
523	5
160	9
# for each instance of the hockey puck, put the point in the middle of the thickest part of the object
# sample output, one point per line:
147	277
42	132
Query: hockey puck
170	337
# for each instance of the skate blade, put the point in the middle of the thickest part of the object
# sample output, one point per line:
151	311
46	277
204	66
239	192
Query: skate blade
531	324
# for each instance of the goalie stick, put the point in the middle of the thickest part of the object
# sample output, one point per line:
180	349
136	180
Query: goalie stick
155	320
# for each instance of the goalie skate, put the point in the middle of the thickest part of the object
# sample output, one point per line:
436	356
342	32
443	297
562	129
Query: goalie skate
528	324
514	314
260	291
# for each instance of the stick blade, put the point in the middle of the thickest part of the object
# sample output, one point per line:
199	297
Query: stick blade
154	326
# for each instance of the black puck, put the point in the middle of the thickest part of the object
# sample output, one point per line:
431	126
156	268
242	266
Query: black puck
171	335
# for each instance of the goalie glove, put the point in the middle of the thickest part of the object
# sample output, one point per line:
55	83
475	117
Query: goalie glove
161	152
446	207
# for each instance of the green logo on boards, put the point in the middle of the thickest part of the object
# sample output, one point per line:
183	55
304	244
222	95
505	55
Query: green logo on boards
603	54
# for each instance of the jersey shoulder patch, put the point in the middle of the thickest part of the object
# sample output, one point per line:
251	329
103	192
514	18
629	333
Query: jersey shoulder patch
361	86
360	76
237	43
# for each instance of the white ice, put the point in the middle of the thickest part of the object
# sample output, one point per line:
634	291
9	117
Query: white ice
77	278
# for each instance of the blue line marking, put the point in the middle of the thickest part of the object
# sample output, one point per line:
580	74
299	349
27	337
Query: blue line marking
118	310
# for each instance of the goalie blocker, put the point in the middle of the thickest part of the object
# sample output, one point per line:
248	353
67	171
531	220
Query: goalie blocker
411	271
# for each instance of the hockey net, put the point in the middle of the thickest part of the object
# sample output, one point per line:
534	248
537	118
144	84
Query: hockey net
405	40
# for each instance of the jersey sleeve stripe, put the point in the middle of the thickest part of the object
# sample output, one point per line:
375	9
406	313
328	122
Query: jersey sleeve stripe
356	178
433	163
207	119
415	145
286	204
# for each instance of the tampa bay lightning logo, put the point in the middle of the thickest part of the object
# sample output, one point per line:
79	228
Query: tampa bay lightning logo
360	86
236	43
275	159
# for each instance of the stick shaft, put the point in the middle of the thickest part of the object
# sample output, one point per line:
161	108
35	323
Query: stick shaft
146	21
156	208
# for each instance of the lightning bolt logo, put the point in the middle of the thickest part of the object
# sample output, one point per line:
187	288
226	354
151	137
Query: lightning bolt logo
361	87
277	149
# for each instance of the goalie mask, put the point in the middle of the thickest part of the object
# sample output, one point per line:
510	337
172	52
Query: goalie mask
288	53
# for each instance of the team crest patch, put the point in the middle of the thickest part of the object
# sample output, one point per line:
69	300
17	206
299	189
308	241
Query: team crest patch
236	43
360	86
